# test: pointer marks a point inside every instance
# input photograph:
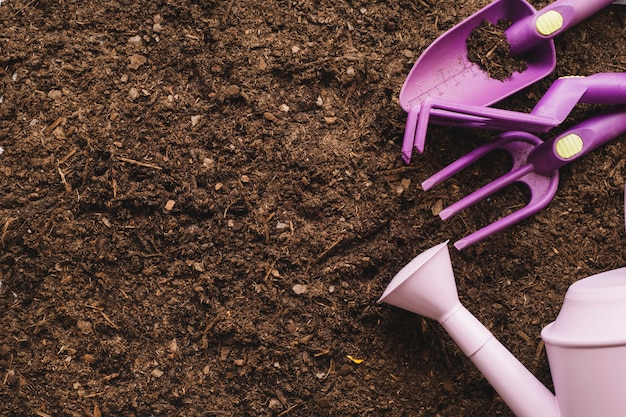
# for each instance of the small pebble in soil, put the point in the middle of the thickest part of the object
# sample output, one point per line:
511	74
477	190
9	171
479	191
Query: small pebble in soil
169	206
300	289
233	91
136	61
488	48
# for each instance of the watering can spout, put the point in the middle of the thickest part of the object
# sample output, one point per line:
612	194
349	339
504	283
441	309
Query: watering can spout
426	287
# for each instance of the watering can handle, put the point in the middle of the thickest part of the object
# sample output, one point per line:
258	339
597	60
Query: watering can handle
578	141
550	21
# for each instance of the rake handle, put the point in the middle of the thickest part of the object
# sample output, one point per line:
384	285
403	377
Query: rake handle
578	141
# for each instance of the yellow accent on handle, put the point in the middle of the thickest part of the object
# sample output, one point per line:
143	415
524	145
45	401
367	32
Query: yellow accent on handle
549	22
569	146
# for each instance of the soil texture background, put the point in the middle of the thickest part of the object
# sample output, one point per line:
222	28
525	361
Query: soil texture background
201	202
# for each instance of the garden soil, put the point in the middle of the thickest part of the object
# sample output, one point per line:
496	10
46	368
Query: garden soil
202	201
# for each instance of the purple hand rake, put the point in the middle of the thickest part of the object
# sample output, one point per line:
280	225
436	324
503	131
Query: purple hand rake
554	107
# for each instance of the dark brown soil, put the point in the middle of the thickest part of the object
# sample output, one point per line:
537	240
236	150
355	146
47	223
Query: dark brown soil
488	48
201	202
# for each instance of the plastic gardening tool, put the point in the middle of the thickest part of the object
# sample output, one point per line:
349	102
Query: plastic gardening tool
443	71
535	163
554	107
585	344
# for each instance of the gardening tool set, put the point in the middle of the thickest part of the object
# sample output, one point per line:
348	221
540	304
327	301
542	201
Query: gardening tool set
586	344
445	88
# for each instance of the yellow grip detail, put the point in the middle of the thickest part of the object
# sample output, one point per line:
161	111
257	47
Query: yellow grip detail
549	22
569	146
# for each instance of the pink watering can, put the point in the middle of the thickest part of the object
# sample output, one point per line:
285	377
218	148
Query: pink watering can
586	344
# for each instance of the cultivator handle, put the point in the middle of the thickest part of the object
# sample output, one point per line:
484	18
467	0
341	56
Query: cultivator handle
578	141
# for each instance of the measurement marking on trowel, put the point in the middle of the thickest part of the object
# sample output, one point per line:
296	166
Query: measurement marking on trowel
454	80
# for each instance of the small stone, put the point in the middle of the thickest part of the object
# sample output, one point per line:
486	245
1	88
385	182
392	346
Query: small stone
172	346
300	289
281	225
330	119
350	71
233	91
133	93
84	326
319	102
55	94
218	186
195	120
295	49
199	266
274	404
437	207
157	28
284	108
136	61
135	40
157	373
405	183
245	179
169	206
269	116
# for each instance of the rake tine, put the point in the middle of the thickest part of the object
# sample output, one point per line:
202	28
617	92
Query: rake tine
460	164
484	192
538	202
468	159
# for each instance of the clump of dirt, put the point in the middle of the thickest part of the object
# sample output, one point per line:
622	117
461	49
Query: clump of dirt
487	46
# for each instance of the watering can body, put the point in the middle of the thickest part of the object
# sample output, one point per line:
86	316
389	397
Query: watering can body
589	382
585	345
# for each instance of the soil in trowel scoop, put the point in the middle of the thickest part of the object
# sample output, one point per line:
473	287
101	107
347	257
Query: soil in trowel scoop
487	46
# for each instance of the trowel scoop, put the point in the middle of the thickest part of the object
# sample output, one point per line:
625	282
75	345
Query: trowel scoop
444	72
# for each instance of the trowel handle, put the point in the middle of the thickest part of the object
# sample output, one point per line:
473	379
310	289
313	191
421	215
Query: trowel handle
550	21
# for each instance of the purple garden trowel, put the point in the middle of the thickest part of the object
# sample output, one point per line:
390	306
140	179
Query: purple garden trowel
443	71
